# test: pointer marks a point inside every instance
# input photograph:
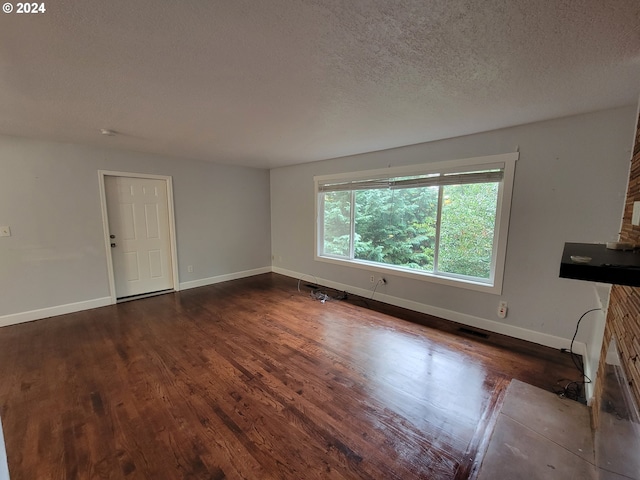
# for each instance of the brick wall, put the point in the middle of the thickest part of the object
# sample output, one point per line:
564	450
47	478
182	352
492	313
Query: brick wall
623	316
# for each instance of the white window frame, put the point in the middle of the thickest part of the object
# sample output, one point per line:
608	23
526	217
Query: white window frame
507	161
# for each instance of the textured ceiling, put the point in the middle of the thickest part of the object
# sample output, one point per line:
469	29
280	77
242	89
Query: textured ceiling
273	83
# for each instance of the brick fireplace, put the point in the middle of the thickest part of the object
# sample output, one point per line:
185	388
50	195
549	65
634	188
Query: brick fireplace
617	395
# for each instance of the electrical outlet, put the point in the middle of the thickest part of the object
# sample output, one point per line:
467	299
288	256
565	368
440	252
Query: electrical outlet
190	268
372	279
382	280
5	231
502	309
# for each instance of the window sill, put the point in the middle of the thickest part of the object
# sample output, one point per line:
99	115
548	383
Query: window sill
415	275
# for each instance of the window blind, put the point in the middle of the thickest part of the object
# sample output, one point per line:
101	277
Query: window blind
413	182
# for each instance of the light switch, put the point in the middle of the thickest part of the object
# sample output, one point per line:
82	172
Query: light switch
5	231
635	216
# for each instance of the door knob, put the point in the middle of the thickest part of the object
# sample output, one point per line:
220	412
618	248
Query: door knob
113	245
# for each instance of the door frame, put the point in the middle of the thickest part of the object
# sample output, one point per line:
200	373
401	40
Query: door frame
105	225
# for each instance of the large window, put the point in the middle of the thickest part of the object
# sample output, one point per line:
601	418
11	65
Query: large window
445	222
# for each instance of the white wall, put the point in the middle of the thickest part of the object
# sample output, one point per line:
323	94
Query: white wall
4	467
570	185
49	196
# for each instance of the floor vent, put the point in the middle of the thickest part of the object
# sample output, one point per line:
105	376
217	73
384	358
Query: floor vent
468	331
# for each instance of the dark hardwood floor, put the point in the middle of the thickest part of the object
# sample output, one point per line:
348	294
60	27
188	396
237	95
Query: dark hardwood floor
251	379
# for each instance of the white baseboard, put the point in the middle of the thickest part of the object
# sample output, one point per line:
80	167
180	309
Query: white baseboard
31	315
462	318
223	278
21	317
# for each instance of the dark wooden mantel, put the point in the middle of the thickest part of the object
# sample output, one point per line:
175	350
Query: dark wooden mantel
606	266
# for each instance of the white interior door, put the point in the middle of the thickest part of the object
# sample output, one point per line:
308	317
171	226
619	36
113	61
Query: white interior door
138	216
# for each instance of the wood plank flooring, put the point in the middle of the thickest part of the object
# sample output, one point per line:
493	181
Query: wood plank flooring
251	379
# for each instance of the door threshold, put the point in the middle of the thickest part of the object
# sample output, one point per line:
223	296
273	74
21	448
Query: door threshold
143	295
